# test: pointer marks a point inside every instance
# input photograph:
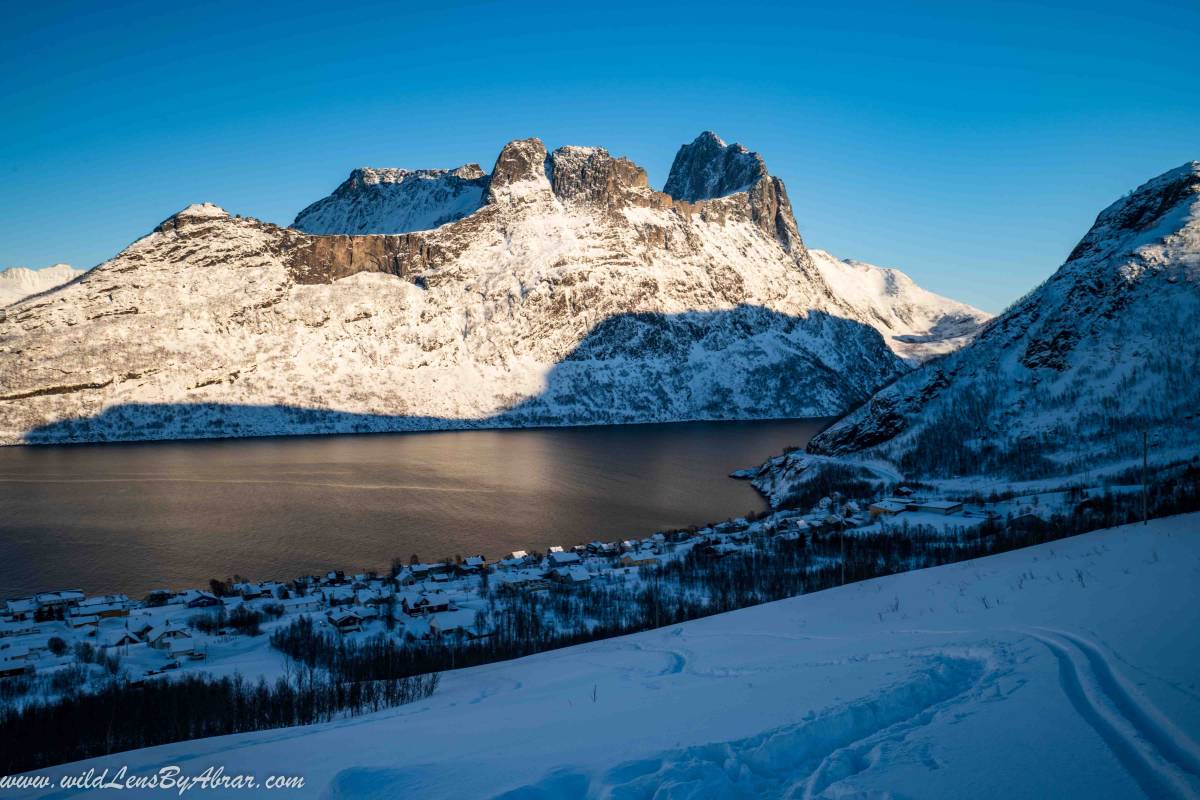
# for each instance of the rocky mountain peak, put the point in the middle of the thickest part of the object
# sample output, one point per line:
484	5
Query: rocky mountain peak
590	174
520	171
709	168
196	213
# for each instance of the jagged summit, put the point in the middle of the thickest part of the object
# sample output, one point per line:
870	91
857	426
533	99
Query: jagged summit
520	171
709	168
591	174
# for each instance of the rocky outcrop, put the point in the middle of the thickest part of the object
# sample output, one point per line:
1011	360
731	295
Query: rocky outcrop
324	259
708	168
520	171
738	181
591	175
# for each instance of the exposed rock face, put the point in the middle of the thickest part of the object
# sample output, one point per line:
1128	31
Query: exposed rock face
575	294
520	171
324	259
709	168
17	283
396	201
1068	377
590	174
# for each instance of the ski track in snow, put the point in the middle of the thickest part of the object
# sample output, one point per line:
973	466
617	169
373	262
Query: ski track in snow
1146	745
805	757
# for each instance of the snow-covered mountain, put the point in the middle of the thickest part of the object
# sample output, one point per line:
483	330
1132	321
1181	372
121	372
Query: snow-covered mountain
396	201
575	294
1070	375
17	283
916	323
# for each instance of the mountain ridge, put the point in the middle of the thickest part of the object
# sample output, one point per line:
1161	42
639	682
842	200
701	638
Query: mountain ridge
572	265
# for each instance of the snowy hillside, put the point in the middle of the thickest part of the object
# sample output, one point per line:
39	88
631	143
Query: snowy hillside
1069	376
17	283
916	323
396	201
1029	674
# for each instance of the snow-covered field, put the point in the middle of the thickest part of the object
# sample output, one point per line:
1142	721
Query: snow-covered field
1065	670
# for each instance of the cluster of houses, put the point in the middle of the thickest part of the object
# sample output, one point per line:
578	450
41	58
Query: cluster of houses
419	601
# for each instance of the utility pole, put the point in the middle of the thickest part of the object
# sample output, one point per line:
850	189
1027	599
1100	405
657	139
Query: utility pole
842	541
1145	469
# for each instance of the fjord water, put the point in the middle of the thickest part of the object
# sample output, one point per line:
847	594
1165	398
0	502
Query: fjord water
135	517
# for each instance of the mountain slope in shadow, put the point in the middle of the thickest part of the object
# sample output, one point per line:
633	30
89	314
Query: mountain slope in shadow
748	362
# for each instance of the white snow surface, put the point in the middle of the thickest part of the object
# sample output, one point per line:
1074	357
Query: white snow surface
17	283
1065	670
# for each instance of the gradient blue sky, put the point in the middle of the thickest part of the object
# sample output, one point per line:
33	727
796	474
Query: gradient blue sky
970	144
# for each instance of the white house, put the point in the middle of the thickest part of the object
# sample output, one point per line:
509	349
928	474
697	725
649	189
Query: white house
160	637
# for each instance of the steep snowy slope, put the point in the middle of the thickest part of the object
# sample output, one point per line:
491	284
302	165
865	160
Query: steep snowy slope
17	283
916	323
574	295
396	201
1065	670
1070	375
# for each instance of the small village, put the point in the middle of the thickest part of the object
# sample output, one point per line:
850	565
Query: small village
219	629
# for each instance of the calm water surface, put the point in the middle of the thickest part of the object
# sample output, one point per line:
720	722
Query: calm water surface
135	517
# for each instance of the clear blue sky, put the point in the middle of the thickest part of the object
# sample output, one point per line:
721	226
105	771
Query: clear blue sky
970	144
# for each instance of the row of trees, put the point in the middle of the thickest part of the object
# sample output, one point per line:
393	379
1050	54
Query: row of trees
124	716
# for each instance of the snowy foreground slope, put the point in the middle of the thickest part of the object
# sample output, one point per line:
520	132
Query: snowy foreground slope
1069	376
17	283
573	294
1065	670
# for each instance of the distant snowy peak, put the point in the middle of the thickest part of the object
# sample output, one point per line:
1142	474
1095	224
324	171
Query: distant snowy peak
17	283
916	323
396	201
708	168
